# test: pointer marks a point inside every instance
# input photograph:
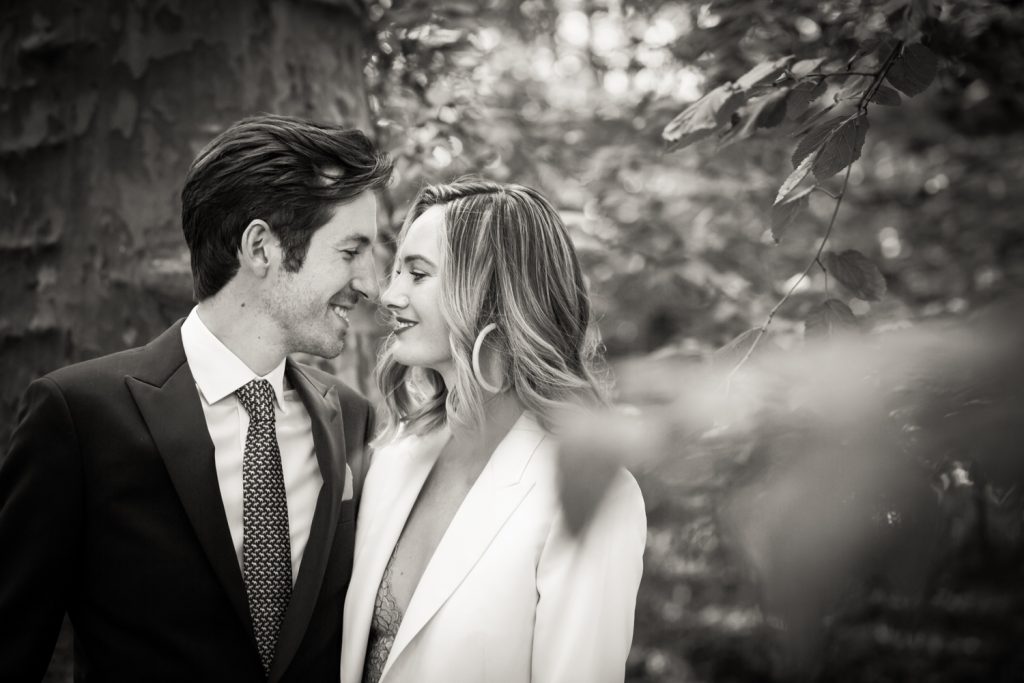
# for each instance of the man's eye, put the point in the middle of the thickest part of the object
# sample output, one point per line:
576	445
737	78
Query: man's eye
349	254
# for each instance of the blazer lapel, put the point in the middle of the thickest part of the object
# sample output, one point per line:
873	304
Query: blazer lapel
321	402
394	482
166	395
493	498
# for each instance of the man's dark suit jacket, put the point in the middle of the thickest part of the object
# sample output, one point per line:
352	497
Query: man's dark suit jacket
110	510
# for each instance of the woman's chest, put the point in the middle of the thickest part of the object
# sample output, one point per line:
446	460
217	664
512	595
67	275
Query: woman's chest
437	504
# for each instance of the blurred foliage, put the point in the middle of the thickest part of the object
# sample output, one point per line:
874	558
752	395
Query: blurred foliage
871	545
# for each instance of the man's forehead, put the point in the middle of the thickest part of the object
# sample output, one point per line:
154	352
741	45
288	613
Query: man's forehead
355	221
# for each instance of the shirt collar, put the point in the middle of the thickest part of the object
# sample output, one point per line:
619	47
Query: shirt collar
217	370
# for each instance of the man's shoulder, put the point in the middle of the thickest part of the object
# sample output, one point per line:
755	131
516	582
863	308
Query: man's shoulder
113	366
97	373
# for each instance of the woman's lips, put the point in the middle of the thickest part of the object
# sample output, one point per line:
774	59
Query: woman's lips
402	324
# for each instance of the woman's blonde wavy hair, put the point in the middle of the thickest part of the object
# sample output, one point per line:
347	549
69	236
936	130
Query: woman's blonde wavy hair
506	258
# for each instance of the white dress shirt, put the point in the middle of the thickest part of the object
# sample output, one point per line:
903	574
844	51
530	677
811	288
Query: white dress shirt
218	374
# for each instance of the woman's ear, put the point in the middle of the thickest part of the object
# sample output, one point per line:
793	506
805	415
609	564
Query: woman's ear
258	249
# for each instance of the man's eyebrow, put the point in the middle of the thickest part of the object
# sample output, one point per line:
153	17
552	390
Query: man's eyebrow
360	239
409	258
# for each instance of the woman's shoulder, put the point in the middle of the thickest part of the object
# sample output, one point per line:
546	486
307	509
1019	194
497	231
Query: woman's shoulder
624	500
608	489
589	507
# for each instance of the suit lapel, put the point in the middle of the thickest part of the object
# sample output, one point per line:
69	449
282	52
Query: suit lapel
166	395
393	484
490	502
324	410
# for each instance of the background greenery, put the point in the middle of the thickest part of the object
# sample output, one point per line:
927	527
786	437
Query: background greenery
770	555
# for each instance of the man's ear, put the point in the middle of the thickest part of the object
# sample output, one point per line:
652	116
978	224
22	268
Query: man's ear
259	248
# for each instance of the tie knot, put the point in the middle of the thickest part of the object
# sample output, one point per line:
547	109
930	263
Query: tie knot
257	397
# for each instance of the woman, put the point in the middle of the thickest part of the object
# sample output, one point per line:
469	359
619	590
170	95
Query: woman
465	569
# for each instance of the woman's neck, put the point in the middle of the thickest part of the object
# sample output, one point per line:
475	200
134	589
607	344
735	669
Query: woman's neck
501	411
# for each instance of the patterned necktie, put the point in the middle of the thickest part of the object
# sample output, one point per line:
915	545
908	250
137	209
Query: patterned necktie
266	550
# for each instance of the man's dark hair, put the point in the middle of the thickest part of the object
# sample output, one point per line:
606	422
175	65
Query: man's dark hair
286	171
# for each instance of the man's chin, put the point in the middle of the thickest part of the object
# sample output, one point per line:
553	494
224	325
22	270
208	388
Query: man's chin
334	351
324	349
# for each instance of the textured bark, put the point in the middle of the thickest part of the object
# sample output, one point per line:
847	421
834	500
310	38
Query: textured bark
103	104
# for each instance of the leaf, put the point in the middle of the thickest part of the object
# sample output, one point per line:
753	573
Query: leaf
745	126
886	96
894	6
914	70
786	211
773	109
853	88
920	10
764	72
694	44
865	48
703	117
732	353
436	37
759	112
884	46
795	178
911	22
810	118
856	272
816	138
456	8
802	94
806	66
583	481
831	317
841	148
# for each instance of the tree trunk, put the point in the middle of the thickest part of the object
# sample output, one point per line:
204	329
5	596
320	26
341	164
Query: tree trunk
103	105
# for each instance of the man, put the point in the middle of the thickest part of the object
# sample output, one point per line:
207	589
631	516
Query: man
190	503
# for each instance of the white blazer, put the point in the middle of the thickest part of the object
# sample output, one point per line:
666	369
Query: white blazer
509	595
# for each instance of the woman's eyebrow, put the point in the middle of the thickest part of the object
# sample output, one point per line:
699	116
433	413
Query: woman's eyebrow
409	258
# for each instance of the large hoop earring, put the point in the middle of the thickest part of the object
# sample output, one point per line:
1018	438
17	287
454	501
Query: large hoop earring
477	373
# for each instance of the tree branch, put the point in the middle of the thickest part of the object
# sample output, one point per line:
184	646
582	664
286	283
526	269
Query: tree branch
876	82
816	260
834	74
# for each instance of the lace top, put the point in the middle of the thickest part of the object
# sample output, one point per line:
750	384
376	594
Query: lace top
383	627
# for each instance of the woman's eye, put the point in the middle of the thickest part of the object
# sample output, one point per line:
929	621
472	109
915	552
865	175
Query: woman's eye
416	277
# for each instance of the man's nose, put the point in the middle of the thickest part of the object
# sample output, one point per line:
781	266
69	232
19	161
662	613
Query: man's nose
365	282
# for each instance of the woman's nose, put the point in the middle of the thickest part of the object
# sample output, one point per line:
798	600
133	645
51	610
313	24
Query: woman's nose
393	298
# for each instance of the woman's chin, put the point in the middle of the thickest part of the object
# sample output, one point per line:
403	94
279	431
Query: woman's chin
407	355
408	360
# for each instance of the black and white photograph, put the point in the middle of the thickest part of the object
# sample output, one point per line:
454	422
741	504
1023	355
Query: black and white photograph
511	341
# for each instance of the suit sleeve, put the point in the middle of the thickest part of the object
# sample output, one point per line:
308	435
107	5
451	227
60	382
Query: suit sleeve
587	587
40	518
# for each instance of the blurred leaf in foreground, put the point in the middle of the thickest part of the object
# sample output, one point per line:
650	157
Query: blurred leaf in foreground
834	451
